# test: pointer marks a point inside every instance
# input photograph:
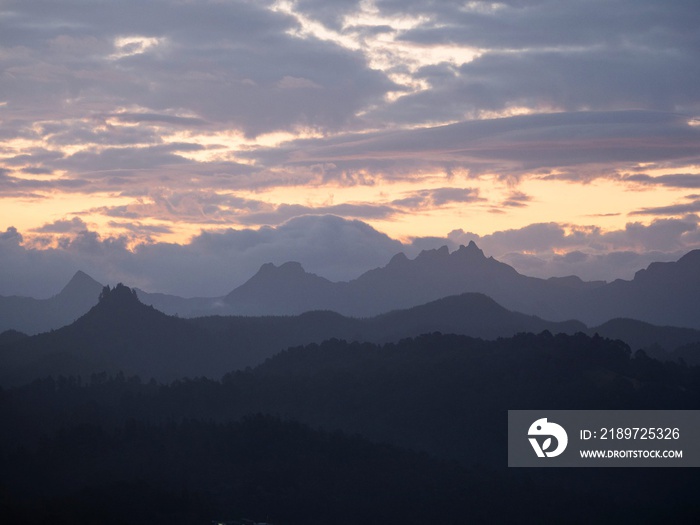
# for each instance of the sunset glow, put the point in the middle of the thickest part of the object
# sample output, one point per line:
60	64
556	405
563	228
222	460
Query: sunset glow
144	124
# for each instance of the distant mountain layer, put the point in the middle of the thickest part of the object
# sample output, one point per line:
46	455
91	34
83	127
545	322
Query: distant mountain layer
663	294
32	316
122	334
402	283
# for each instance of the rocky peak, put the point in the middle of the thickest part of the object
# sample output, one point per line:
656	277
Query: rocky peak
120	297
470	251
439	253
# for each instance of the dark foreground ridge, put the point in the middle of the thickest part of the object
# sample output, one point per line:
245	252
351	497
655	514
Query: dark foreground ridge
114	449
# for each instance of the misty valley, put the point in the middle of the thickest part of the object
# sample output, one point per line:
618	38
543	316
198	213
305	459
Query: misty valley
297	400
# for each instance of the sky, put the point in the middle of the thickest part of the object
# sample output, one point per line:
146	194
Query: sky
178	145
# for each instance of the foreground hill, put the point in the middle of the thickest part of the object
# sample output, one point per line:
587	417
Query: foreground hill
122	334
119	333
83	451
194	472
660	342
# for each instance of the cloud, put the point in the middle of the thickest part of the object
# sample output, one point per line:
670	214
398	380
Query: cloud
75	224
211	264
437	197
157	118
181	64
578	145
516	199
283	212
675	180
552	249
195	207
24	187
142	230
215	262
540	56
187	108
673	209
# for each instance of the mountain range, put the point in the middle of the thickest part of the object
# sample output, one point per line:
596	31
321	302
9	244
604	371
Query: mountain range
662	294
120	333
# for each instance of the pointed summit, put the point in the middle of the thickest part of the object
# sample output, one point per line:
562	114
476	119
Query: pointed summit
32	316
399	259
79	287
471	251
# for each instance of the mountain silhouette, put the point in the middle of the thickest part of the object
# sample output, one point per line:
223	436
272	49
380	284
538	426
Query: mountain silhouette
473	314
32	316
282	290
118	334
659	342
11	336
403	283
122	334
662	294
